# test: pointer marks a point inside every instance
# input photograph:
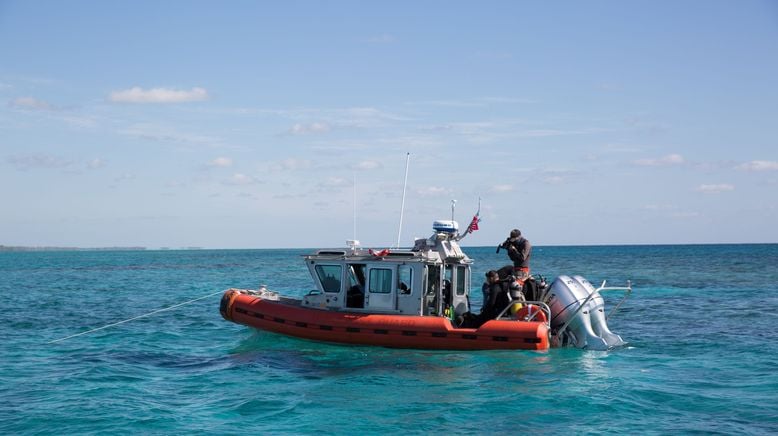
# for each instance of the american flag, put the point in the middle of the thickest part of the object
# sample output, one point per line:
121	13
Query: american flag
473	224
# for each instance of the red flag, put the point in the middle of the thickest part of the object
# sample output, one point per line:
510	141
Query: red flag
473	224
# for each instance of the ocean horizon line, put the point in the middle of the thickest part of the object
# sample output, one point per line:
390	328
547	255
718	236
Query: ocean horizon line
32	248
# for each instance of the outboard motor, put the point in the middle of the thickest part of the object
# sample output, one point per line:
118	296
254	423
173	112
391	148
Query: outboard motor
577	316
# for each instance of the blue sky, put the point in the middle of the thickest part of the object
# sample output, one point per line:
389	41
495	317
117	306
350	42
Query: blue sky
246	124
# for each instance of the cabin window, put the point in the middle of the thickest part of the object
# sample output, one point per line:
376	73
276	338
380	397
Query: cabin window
405	280
380	281
329	276
460	283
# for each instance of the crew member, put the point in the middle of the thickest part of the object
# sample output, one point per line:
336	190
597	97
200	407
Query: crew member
496	296
519	250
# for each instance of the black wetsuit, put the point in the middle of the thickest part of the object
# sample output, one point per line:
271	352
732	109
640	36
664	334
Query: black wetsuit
497	300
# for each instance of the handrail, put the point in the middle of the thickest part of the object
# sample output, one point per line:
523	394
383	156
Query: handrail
543	306
628	288
597	291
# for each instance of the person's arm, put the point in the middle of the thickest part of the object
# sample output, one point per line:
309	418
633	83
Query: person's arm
526	251
494	292
514	254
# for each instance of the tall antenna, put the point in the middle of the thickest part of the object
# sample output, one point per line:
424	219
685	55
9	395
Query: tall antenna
453	205
402	206
354	243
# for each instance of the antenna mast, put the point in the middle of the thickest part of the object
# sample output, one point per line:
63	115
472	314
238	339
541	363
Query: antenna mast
402	206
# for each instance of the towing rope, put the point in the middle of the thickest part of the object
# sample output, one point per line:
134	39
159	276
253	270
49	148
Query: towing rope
136	317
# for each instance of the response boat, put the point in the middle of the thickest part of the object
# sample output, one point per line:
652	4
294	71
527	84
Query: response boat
414	298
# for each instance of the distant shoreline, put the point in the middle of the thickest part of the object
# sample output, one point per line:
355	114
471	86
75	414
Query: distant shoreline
16	248
6	248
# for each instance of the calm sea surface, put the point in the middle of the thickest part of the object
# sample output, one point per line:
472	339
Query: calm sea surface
701	326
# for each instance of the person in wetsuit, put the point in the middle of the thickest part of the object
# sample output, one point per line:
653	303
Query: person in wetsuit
496	291
496	297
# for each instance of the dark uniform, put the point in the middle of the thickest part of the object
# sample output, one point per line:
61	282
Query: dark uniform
496	296
519	250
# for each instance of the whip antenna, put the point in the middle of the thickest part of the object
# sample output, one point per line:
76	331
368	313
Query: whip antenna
402	205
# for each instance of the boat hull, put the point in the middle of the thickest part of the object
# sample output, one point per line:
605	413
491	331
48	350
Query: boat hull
386	330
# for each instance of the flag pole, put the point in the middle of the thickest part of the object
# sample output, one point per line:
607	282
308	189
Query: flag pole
473	226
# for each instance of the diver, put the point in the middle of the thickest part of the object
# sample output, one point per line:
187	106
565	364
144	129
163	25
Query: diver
519	251
497	296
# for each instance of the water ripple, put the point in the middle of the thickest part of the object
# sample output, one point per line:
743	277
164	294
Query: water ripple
703	354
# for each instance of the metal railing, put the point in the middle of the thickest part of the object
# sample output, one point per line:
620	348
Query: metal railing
541	306
597	291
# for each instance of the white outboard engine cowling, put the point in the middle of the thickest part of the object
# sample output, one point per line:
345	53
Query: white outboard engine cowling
587	327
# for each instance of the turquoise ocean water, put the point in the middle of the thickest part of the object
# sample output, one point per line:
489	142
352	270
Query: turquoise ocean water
702	354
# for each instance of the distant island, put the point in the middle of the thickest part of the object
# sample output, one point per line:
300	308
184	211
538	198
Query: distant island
12	248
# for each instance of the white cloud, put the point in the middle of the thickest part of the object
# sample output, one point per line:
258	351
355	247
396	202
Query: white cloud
715	188
658	207
758	165
305	129
363	115
553	180
291	164
176	184
124	177
336	182
482	132
670	159
38	161
448	103
557	176
157	133
508	100
542	133
220	162
330	118
469	103
437	128
685	215
80	122
30	103
95	163
367	165
239	179
671	211
502	188
158	95
433	191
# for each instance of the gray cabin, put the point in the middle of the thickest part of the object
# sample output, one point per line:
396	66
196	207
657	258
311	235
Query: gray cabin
432	278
